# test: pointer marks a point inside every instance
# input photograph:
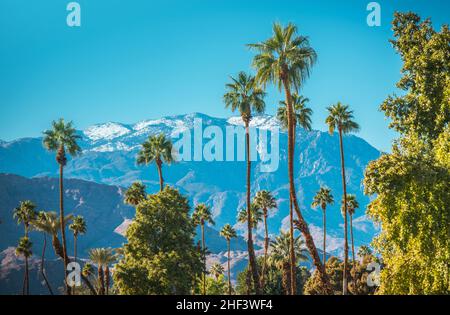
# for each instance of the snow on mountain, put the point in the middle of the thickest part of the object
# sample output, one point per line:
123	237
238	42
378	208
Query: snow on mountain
106	131
262	122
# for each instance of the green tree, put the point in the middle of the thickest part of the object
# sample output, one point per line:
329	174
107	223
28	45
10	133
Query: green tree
24	249
202	214
160	256
245	96
411	184
40	219
135	194
62	138
285	60
364	251
323	198
156	149
265	201
78	227
341	118
352	205
280	256
228	233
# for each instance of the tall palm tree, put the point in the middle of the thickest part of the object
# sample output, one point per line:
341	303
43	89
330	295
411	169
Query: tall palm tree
265	201
323	198
245	96
228	233
256	215
78	227
102	257
135	194
156	149
301	116
285	60
280	256
341	118
24	249
25	214
217	270
62	138
202	214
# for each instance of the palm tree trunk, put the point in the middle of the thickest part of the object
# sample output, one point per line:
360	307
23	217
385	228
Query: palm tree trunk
26	282
266	248
344	186
101	281
161	180
353	252
42	265
251	251
62	225
204	258
107	279
286	277
302	225
324	239
74	256
229	276
291	249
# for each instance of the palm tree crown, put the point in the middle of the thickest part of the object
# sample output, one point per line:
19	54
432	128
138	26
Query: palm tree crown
283	58
255	212
62	137
302	114
280	249
48	222
341	118
78	226
156	149
228	232
265	201
135	194
24	247
202	214
25	213
323	198
352	204
217	270
244	95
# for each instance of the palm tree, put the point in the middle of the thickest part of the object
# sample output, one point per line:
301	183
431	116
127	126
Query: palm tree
323	198
48	223
38	222
285	60
302	116
62	138
202	214
364	251
156	149
244	95
217	270
265	201
25	214
341	118
78	227
280	256
24	249
228	233
102	257
256	215
135	194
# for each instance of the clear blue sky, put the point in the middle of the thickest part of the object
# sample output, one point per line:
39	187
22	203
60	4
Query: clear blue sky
141	59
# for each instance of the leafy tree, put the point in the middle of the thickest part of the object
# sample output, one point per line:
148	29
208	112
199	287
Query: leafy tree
202	214
265	201
245	96
323	198
160	256
364	251
341	118
156	149
411	184
24	249
228	233
217	270
135	194
62	138
285	60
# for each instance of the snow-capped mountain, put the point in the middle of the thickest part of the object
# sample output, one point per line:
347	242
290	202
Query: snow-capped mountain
109	152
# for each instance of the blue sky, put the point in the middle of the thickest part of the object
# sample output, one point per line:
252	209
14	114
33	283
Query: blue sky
141	59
